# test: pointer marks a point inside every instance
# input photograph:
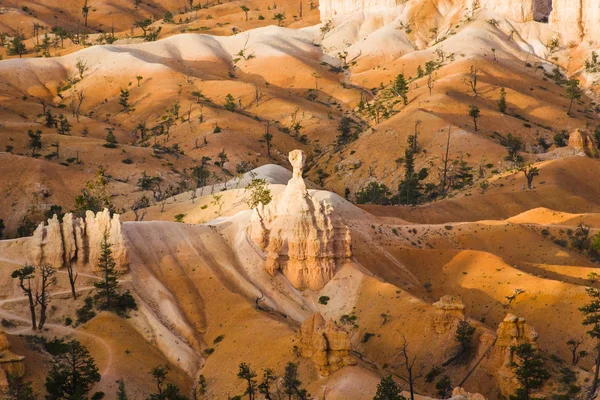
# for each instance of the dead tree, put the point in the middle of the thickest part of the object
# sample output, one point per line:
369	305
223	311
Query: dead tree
471	80
42	294
445	175
72	279
409	365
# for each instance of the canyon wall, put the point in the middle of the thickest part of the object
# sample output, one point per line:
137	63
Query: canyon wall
77	240
332	8
574	21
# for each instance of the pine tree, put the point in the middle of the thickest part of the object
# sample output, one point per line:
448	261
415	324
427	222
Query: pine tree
502	101
121	392
229	103
72	374
591	314
107	289
19	390
35	141
387	389
529	371
26	274
573	92
124	99
401	88
474	113
268	380
16	47
464	334
249	376
291	384
410	189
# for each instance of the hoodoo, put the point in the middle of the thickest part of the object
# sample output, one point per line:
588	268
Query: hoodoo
302	237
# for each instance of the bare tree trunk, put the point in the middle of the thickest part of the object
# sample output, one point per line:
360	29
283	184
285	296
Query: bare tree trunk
72	278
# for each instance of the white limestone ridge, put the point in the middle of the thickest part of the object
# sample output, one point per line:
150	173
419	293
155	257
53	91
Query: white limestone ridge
571	20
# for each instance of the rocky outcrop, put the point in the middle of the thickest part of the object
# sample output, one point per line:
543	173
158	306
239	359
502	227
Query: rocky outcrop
513	331
10	363
574	20
582	142
332	8
326	344
302	237
448	311
516	10
77	240
461	394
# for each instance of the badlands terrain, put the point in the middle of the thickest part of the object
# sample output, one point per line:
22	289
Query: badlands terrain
341	197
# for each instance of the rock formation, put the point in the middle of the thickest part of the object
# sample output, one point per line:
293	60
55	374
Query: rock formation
513	331
461	394
302	237
582	142
449	310
575	19
10	363
77	240
325	343
332	8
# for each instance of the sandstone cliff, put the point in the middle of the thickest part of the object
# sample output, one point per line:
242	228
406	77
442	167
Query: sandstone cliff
571	20
77	240
326	344
10	363
302	237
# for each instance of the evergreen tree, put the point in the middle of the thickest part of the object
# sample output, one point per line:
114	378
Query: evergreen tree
529	370
229	103
95	196
268	380
50	119
63	126
16	47
502	101
121	392
19	390
373	193
474	113
165	392
410	189
26	274
401	88
259	193
591	314
35	141
387	389
124	99
107	289
573	92
249	376
291	384
464	334
444	386
72	374
111	140
345	131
